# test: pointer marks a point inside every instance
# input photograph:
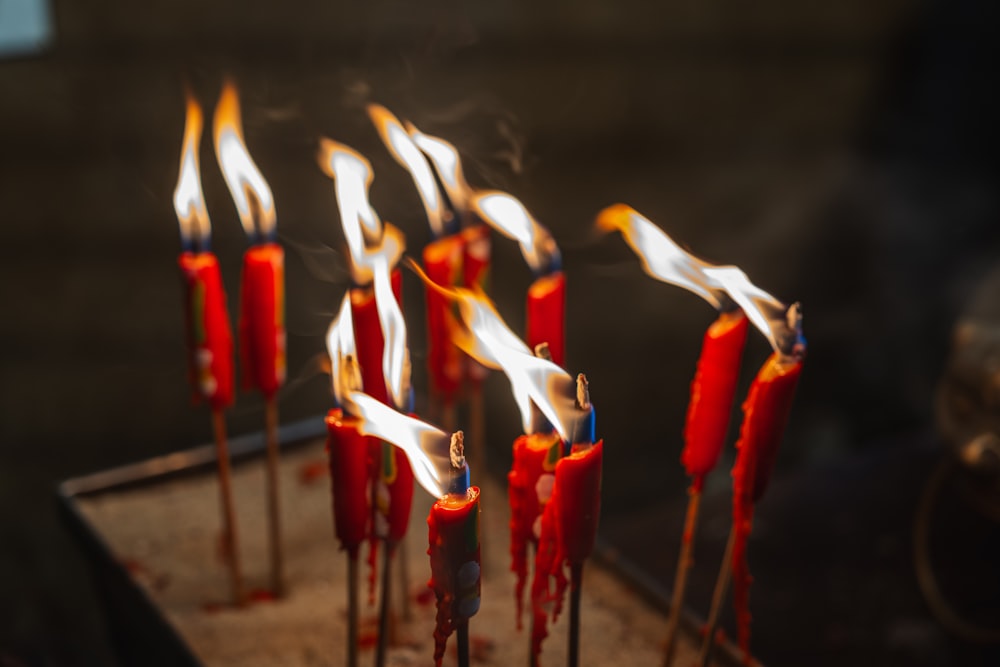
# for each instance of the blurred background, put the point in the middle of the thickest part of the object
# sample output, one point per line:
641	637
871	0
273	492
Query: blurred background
844	154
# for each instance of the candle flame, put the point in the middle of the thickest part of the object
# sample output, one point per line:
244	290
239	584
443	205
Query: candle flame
508	216
485	337
427	448
406	153
443	156
343	352
395	356
189	202
251	193
666	261
363	229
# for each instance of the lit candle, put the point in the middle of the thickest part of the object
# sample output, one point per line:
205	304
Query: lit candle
210	345
765	414
453	538
439	466
262	307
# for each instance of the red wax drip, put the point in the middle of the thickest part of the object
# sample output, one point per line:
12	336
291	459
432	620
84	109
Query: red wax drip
712	393
546	315
476	276
262	318
569	530
443	264
533	457
765	414
348	457
400	495
453	538
209	337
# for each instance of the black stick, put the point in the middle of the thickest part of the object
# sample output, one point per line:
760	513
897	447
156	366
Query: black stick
576	586
463	643
383	614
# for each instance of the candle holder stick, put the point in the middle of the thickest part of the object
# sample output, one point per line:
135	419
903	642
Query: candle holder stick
576	588
462	630
684	563
353	609
273	499
386	597
229	533
721	587
405	608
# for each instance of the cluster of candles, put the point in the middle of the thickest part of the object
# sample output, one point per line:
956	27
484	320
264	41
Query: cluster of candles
378	448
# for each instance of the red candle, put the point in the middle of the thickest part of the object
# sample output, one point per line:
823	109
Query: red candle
529	487
568	532
262	318
348	457
712	393
453	536
765	414
475	276
546	314
443	264
210	342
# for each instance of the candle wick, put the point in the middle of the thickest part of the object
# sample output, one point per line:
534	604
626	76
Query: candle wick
582	392
542	351
457	450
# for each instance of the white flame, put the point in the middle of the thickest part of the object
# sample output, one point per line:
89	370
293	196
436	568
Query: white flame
509	217
352	176
426	447
189	202
251	193
340	345
446	163
399	143
395	360
664	260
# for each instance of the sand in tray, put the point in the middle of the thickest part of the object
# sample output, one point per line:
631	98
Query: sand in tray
167	534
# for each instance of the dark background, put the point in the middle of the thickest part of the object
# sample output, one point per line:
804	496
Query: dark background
844	154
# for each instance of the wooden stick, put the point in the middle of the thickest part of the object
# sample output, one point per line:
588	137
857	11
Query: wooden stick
463	643
532	658
229	535
576	586
684	562
274	499
406	610
353	632
383	611
721	587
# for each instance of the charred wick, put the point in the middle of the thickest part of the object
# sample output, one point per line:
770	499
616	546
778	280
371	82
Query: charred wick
791	342
584	431
459	478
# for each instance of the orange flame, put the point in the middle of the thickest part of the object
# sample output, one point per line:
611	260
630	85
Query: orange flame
508	216
485	337
447	164
189	202
343	353
402	147
375	248
664	260
251	193
426	447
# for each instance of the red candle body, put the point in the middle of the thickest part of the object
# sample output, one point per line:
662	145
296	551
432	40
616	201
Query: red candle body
712	393
535	455
453	536
568	532
347	450
765	414
394	496
209	337
546	314
443	265
475	276
262	318
368	336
